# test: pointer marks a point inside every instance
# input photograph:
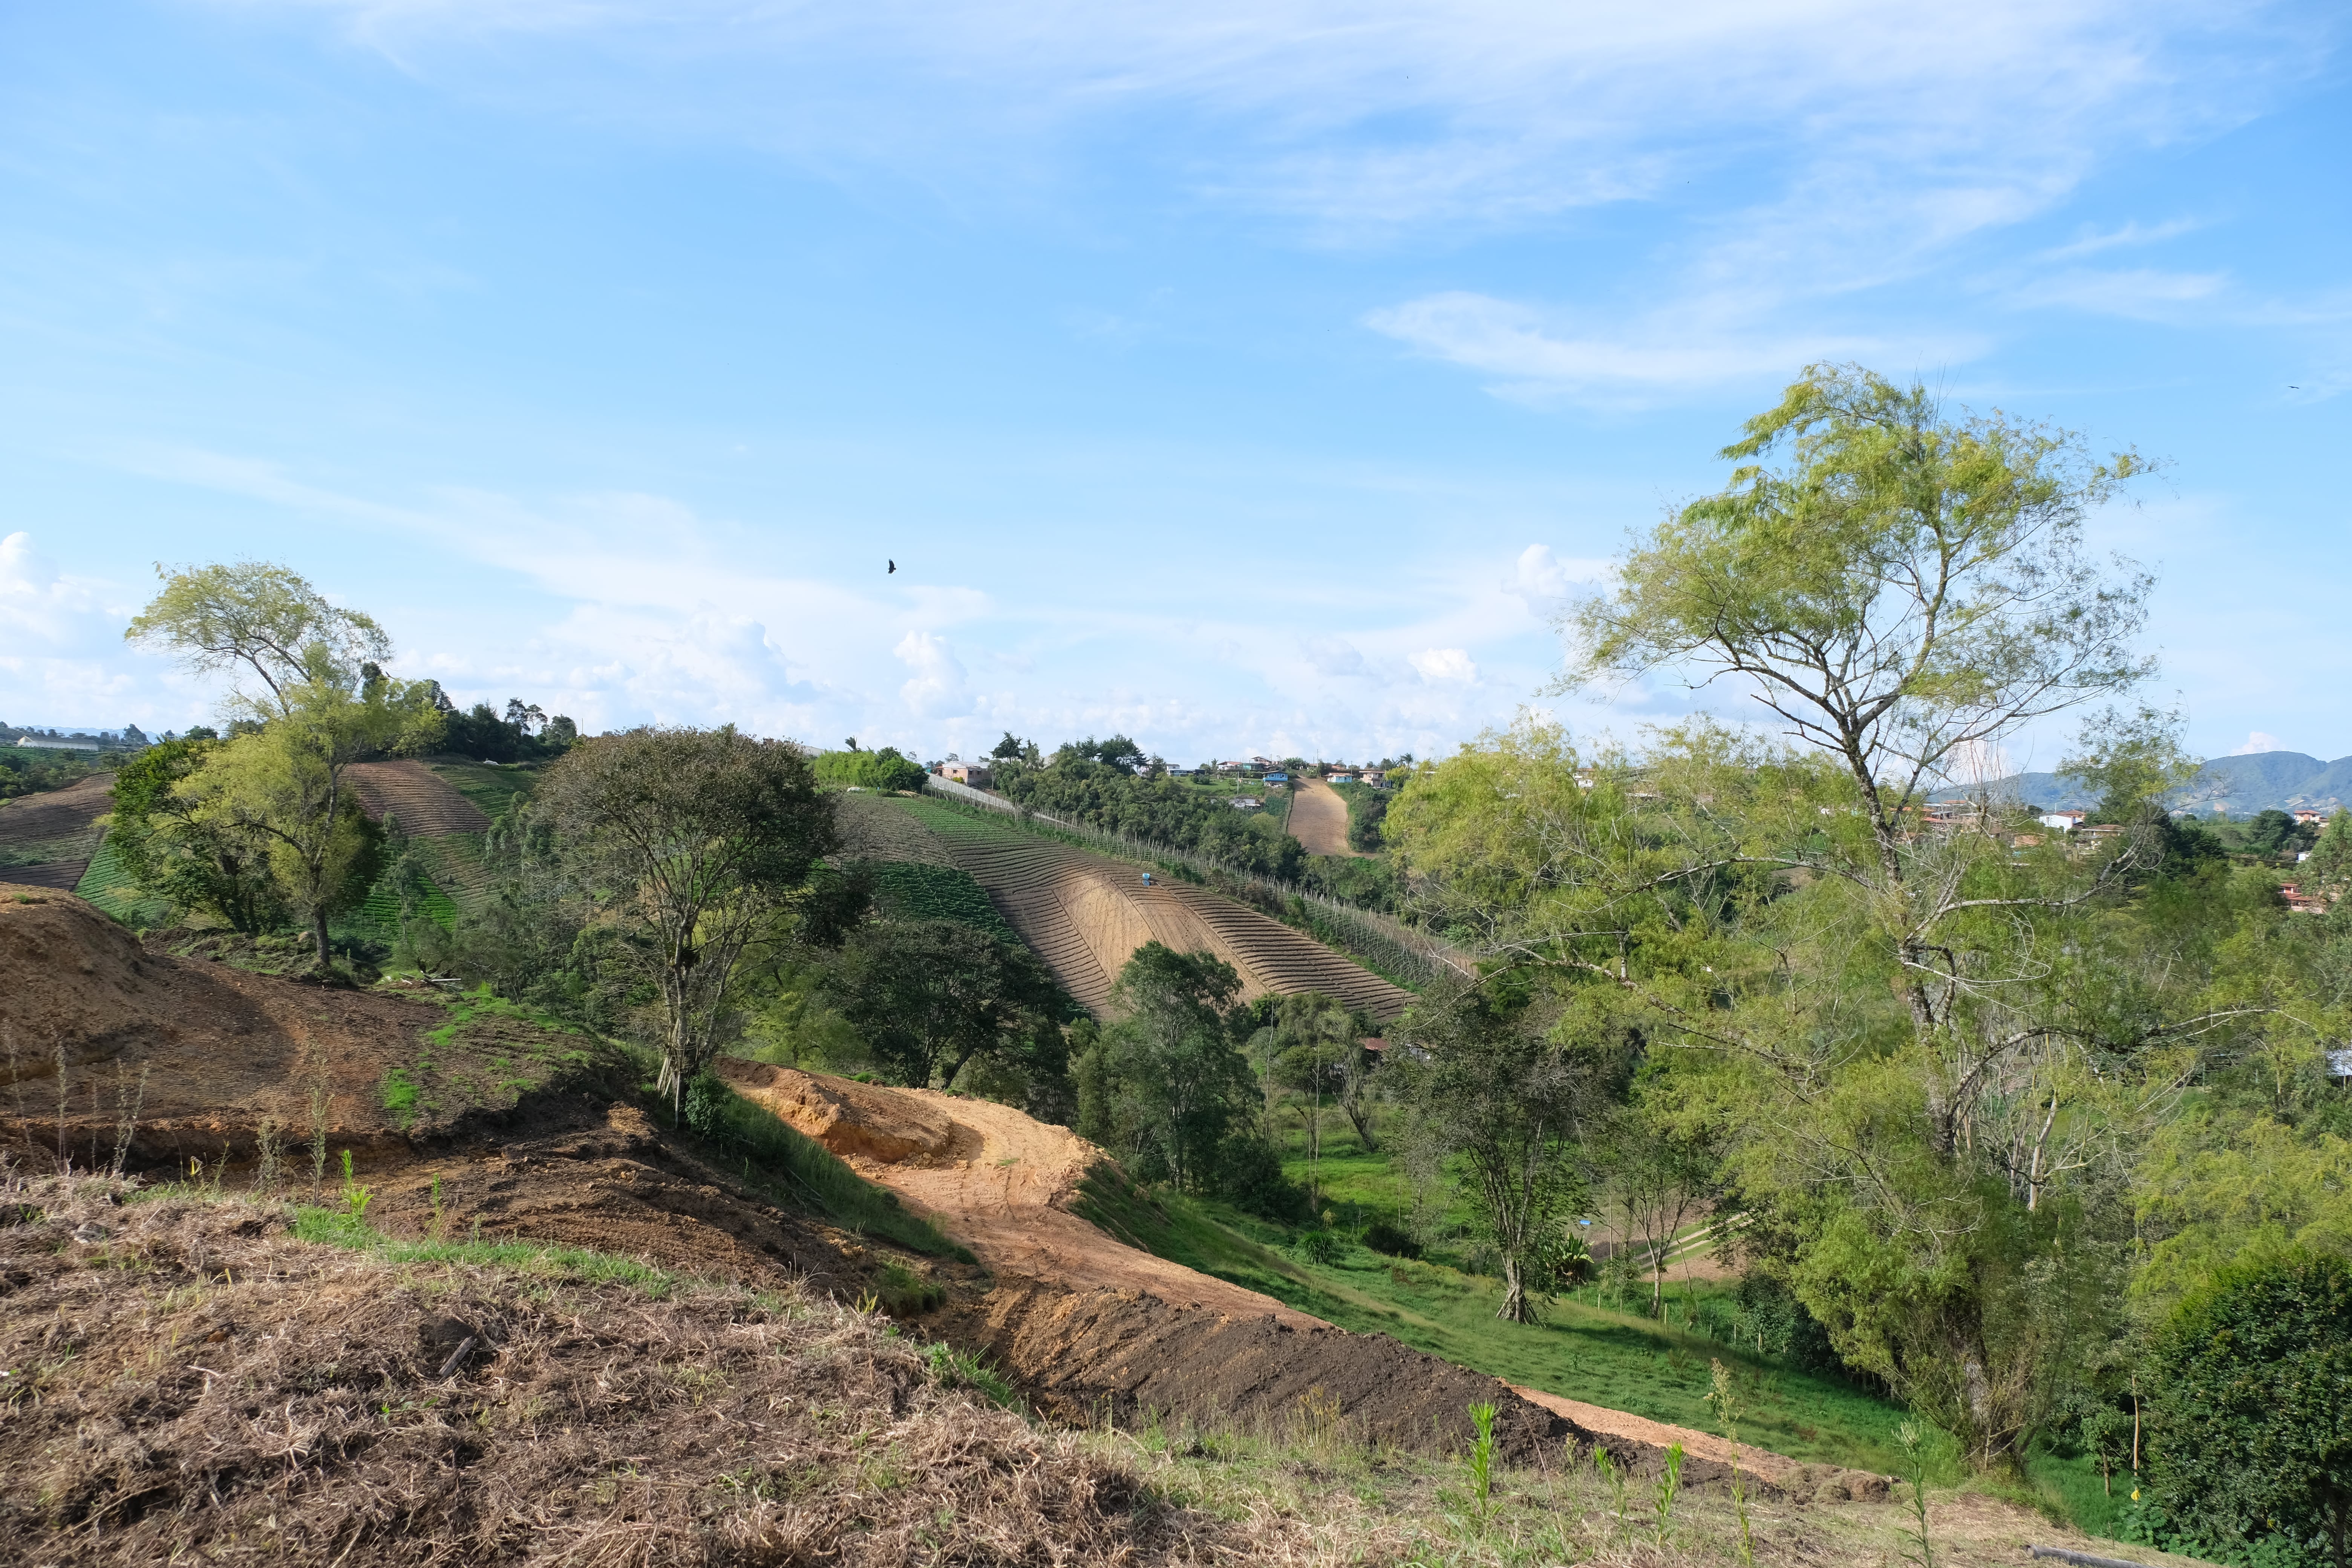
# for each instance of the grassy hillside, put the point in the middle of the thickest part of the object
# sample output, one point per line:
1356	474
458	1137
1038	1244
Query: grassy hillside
1605	1358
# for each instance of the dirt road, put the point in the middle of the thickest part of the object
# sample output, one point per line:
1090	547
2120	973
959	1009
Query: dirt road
1318	818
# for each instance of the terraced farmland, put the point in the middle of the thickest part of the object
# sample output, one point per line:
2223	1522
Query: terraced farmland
445	826
427	806
46	840
1086	914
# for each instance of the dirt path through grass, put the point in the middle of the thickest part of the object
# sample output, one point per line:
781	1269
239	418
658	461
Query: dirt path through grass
1319	818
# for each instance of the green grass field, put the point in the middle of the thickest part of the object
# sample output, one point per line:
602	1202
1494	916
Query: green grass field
1606	1358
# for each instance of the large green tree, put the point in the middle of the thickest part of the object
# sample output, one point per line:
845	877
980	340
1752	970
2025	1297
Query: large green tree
257	619
697	843
1489	1085
275	793
1940	1045
1178	1087
283	789
173	853
929	997
2253	1430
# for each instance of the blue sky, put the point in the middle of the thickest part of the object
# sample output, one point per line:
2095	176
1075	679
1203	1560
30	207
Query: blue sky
1246	376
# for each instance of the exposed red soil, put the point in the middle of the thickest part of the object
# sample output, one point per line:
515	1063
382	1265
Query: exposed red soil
996	1180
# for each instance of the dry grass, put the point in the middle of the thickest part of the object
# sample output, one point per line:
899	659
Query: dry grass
187	1381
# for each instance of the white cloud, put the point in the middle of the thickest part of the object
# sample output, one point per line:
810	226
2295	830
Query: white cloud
2131	234
1545	583
2259	741
937	689
1444	666
1513	341
2140	294
1332	655
1386	112
1536	354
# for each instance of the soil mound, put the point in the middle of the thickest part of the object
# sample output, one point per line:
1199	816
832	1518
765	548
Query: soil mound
189	1381
76	982
216	1049
849	1118
999	1181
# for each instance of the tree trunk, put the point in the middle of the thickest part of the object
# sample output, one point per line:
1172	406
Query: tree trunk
319	934
1514	1308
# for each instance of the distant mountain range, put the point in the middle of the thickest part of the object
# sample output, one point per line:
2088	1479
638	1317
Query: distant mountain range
2259	781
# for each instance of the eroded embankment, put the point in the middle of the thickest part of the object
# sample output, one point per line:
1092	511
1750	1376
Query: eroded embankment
1095	1329
507	1130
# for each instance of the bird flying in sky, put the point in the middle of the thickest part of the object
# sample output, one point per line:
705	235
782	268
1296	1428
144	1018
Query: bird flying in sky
893	567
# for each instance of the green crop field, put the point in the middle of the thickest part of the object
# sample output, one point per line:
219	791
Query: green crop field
486	784
382	908
918	891
107	885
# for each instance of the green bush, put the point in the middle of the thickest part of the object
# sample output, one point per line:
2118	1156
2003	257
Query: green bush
2250	1447
1382	1237
882	770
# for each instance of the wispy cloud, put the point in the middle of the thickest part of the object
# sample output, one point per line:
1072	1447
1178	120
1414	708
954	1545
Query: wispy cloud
2130	234
2140	294
1371	113
1536	354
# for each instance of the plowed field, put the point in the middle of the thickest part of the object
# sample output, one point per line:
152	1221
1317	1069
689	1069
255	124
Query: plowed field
1085	914
1318	818
46	840
427	806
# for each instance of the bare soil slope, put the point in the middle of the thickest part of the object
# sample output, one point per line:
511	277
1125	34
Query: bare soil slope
991	1177
210	1060
46	839
1085	914
1318	818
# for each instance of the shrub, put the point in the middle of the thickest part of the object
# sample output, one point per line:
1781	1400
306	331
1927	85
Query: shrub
1320	1246
2252	1434
882	770
1382	1237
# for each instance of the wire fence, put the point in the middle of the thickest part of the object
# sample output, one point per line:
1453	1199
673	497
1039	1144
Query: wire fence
1388	947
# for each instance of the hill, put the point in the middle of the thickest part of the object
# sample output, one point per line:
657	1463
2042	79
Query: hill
1085	913
2241	785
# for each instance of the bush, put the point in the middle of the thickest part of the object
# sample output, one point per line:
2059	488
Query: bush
1320	1246
882	770
1382	1237
1249	1176
2251	1441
